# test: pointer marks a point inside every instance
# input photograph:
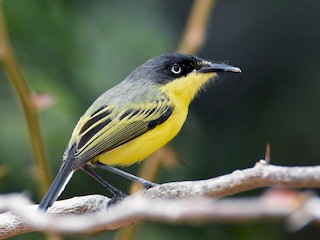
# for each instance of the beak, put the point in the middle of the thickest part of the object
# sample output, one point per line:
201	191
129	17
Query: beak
209	67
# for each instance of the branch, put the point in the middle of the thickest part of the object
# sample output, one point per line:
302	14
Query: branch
176	201
262	175
14	72
194	32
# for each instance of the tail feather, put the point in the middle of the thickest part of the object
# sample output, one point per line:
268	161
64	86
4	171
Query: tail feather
63	177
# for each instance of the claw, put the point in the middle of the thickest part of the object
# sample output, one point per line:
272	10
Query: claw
148	185
115	199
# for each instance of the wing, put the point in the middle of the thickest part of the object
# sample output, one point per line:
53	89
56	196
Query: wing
109	127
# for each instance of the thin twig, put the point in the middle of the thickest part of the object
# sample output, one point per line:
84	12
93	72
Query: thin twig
267	156
194	33
14	72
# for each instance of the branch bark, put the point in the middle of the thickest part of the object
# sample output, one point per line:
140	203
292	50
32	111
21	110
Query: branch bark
175	201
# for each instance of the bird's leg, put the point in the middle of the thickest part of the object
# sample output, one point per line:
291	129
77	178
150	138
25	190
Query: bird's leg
145	183
118	195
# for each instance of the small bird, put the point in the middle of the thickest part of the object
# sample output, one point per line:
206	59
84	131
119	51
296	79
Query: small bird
133	119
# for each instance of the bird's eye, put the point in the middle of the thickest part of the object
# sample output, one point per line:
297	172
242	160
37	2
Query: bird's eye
176	69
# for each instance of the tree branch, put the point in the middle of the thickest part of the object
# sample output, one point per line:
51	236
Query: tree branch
176	201
194	32
14	71
262	175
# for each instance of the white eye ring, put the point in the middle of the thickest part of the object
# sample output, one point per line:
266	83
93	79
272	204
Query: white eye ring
176	69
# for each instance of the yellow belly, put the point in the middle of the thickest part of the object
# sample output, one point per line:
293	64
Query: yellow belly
180	92
142	146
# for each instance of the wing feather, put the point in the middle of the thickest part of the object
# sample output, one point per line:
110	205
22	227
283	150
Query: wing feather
109	128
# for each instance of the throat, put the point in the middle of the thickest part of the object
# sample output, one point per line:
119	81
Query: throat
186	88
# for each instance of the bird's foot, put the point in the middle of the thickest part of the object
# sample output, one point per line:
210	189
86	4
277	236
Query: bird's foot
147	184
115	199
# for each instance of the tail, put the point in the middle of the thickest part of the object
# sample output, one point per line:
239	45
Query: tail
63	177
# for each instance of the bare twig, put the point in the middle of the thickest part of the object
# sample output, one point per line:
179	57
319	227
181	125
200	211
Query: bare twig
14	72
261	175
267	156
194	33
176	201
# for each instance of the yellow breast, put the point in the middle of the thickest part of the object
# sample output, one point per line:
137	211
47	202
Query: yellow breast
142	146
180	92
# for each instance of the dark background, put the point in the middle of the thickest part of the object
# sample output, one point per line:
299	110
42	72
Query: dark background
75	50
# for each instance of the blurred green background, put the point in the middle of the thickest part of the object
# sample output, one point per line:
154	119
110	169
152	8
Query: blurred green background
75	50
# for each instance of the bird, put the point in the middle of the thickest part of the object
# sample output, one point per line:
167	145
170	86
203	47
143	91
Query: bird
133	119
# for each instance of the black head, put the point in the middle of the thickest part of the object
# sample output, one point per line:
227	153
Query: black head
168	67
